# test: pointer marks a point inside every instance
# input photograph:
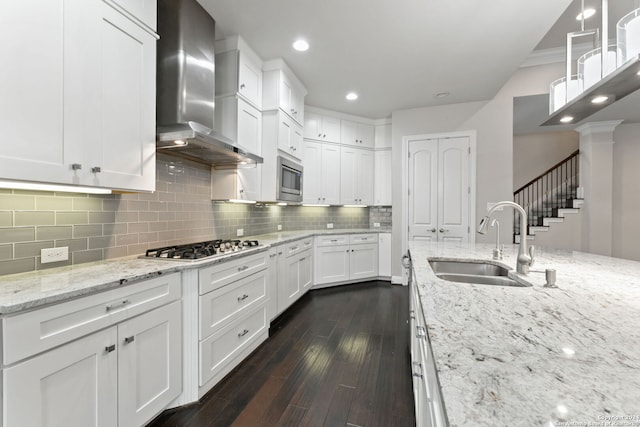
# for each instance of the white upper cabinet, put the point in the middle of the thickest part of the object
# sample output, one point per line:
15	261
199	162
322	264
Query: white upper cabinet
383	136
322	173
282	90
383	178
322	128
356	176
238	71
357	134
80	108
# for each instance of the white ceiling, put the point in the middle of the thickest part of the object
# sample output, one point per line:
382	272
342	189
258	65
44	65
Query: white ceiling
396	54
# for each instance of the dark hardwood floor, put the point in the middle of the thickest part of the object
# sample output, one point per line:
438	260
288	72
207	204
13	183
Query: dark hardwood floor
338	357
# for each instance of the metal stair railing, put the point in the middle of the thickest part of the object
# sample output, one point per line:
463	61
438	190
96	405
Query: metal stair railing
544	195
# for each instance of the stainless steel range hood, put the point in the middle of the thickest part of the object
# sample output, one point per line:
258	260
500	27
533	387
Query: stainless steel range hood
186	88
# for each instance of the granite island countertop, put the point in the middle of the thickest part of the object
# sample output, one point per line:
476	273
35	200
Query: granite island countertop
23	291
535	356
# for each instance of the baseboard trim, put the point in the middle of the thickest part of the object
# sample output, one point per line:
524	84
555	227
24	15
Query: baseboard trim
398	280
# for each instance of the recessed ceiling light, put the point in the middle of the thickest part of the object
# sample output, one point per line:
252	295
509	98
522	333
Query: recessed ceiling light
351	96
442	94
180	142
599	99
301	45
588	13
638	73
566	119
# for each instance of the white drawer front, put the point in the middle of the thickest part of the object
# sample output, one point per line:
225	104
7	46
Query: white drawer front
222	306
222	347
35	331
336	240
219	275
293	248
355	239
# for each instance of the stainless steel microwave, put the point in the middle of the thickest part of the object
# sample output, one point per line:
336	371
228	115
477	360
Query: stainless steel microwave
289	180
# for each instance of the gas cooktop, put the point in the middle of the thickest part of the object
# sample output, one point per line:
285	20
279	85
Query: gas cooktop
200	250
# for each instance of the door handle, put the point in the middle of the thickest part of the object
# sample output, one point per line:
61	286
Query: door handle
443	230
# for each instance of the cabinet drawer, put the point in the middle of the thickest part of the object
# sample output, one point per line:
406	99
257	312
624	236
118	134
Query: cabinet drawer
30	333
298	246
222	347
336	240
219	275
222	306
355	239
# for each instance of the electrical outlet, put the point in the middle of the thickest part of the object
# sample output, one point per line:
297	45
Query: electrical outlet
54	254
279	227
330	225
376	225
240	232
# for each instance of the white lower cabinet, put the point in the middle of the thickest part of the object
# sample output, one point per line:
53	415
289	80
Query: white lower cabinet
123	375
429	406
73	385
232	315
297	272
384	254
342	258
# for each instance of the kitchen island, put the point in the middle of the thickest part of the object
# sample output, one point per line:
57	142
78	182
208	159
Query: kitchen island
535	356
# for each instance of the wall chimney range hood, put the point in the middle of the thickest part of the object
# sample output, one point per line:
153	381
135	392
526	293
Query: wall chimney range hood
186	88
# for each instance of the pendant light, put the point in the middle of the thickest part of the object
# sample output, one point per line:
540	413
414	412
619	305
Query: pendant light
604	74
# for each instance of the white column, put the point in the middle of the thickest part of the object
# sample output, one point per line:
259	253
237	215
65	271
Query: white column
596	185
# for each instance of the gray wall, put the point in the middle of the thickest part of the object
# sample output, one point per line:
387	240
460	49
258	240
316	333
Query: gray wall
97	227
534	154
493	123
626	195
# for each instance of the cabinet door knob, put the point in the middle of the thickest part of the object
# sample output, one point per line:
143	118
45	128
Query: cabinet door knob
416	373
76	166
242	86
443	230
324	135
129	340
96	169
433	230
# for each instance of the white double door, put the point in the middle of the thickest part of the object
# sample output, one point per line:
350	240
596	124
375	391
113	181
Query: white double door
439	191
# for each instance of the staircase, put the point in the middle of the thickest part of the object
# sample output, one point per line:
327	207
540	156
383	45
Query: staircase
549	198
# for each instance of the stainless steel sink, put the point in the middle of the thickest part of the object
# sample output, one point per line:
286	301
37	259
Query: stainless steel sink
481	273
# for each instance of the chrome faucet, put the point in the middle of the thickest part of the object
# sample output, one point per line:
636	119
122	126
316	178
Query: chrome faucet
497	252
525	257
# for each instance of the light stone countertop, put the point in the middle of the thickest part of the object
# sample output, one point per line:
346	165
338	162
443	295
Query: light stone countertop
535	356
19	292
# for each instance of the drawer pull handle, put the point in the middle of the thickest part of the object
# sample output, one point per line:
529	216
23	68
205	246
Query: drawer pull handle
294	248
109	348
421	332
415	372
129	340
243	297
243	268
302	259
412	314
243	333
117	305
334	240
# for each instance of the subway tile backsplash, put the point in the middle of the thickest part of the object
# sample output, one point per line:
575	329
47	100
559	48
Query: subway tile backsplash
98	227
